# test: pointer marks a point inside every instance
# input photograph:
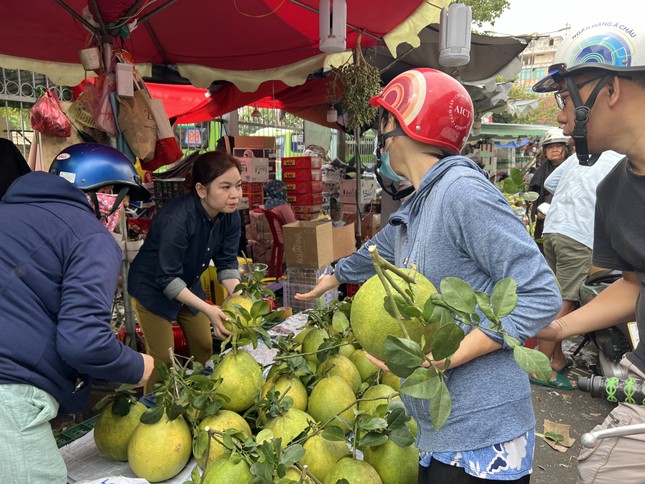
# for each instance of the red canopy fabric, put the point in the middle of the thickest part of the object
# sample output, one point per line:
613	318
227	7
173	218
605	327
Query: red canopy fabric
239	35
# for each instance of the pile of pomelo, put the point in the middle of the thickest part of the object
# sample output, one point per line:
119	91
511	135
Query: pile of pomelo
321	413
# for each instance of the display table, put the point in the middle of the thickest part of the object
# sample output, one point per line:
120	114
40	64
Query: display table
85	464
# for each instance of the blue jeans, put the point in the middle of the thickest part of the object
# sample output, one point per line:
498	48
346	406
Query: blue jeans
29	454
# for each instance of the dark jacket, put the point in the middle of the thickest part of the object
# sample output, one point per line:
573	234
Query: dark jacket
178	249
58	274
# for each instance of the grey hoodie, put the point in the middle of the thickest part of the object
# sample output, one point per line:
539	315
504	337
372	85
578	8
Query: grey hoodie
458	224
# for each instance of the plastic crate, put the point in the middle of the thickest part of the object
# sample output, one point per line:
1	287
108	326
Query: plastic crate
300	280
168	189
75	432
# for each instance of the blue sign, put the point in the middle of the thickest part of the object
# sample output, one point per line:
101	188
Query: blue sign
297	143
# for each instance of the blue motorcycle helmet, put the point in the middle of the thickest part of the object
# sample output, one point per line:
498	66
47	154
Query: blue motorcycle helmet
92	166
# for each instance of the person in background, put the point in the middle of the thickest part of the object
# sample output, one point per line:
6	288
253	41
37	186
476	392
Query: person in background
189	232
458	224
555	150
12	164
58	276
598	78
568	240
275	200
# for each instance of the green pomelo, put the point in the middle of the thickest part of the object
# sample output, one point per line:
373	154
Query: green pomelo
112	432
395	465
294	474
381	392
228	469
348	348
341	366
311	342
364	366
233	303
353	471
298	338
224	420
296	390
289	425
372	324
321	455
390	379
332	397
241	380
159	451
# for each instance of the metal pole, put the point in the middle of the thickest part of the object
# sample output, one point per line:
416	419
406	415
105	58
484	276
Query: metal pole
357	161
130	331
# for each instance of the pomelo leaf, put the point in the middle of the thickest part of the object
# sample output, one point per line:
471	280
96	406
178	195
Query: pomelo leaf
334	433
483	301
446	341
402	355
458	294
367	423
339	322
402	436
152	415
504	297
533	361
373	439
511	342
422	383
292	454
260	308
440	405
200	444
397	417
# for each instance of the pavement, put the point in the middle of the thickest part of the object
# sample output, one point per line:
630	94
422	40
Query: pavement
574	408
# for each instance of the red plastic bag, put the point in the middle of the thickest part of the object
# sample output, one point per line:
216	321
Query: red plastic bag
48	118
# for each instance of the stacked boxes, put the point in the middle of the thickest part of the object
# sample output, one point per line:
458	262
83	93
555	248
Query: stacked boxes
303	177
348	197
253	192
301	280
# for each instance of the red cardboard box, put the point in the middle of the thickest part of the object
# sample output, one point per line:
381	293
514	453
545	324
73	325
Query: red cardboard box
302	162
294	188
293	174
305	199
252	187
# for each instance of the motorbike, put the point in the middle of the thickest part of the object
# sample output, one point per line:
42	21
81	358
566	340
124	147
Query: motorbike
613	342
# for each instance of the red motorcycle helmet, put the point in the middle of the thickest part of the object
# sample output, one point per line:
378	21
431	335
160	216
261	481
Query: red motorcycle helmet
431	107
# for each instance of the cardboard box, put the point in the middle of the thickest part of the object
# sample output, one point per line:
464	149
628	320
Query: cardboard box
344	241
293	174
255	169
302	162
308	244
295	188
305	199
348	191
308	216
370	225
307	209
254	187
254	142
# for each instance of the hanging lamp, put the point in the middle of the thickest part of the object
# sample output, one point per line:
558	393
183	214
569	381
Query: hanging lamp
333	25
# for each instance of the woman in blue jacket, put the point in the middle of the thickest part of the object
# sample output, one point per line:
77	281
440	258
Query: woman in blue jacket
189	232
458	224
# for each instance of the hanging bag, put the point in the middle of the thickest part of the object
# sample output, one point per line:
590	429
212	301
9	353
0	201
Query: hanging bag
137	123
48	118
167	148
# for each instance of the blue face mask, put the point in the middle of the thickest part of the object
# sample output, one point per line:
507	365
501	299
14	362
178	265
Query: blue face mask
386	168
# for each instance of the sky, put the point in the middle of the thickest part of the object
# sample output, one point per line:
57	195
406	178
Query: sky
546	16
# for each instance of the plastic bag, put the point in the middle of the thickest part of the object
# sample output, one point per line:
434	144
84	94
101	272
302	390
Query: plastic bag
103	114
137	124
48	118
167	148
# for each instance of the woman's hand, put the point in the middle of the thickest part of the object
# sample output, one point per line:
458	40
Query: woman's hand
217	318
325	283
376	362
